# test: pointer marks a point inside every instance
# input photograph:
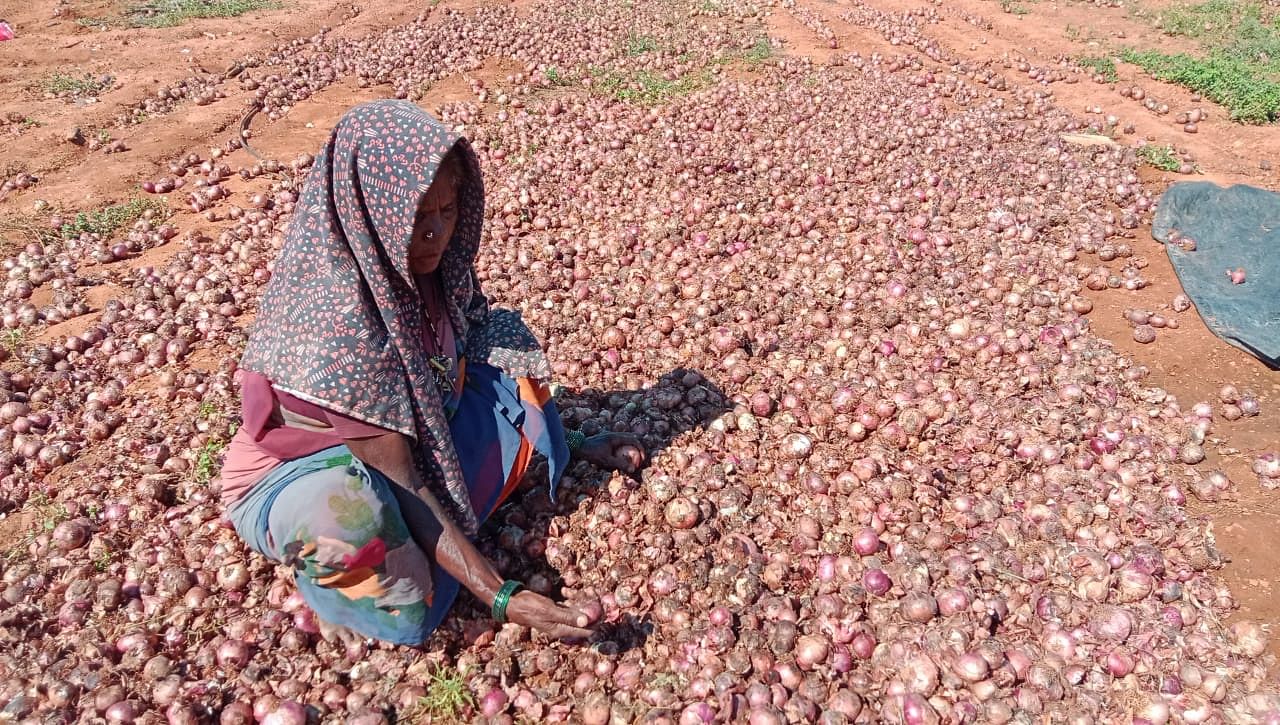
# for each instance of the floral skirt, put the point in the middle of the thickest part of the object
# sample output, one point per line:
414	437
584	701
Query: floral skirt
338	524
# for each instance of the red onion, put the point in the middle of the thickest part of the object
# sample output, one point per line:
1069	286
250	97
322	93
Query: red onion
285	712
124	711
493	702
1249	638
866	542
919	608
698	713
811	651
681	513
971	667
72	534
863	645
1119	662
1111	623
876	582
234	653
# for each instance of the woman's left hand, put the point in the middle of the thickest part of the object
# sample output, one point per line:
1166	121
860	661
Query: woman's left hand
614	452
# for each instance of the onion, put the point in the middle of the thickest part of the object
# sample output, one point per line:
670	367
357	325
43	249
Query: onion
124	711
1132	584
72	534
919	608
971	667
285	712
1111	623
233	576
797	446
1119	662
234	653
866	542
811	651
493	702
863	645
681	513
876	582
1249	638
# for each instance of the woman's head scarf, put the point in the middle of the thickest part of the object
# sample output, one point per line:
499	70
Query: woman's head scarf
342	321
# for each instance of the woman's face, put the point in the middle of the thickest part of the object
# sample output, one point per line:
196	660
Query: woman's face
433	225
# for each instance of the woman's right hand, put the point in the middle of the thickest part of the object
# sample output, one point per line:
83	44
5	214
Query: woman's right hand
436	534
536	611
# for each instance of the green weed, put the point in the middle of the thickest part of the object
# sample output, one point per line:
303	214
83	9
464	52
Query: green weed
447	699
640	44
1241	30
1100	64
12	338
47	513
1009	6
66	85
1245	89
168	13
556	77
1240	66
648	88
207	463
1210	19
760	52
1160	157
106	221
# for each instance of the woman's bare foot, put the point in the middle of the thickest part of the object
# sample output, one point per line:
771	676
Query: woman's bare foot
338	634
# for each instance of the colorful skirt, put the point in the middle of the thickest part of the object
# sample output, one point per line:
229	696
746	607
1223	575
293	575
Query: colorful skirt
338	524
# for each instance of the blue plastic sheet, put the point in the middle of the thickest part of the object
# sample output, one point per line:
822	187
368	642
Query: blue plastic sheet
1233	227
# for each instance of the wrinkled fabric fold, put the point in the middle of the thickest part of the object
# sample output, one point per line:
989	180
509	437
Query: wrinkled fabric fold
338	524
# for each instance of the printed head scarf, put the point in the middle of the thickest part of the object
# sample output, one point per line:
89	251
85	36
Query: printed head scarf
342	322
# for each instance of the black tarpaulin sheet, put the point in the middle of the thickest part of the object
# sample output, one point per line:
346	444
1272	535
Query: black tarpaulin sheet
1233	227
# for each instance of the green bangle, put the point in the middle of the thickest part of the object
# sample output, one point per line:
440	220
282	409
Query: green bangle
503	598
574	439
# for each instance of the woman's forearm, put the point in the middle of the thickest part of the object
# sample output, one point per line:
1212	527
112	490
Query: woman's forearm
428	523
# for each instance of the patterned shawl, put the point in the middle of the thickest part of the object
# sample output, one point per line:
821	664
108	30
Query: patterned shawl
341	323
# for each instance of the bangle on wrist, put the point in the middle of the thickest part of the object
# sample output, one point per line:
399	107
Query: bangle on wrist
574	439
503	598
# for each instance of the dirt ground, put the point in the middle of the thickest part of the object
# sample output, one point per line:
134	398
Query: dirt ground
1188	362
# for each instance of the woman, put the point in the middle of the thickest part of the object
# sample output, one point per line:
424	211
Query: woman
387	410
